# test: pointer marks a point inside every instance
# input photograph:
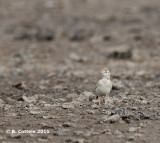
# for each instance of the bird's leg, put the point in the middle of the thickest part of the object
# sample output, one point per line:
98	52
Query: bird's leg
106	100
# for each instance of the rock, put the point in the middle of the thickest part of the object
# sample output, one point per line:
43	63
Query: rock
32	112
31	99
1	103
44	34
91	112
144	102
50	117
138	135
131	138
22	34
95	106
74	140
120	52
79	141
75	57
117	84
80	35
20	86
72	96
112	119
120	111
95	101
133	129
15	135
68	105
42	140
68	124
87	96
117	132
79	133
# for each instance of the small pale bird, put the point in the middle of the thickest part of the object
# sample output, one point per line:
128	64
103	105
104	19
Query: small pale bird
104	85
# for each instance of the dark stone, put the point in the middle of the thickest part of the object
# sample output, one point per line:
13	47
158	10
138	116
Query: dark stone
45	34
80	35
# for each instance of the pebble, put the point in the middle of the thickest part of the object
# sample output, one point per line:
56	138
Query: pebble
112	119
15	135
45	34
117	84
95	106
117	132
91	112
75	57
120	52
32	112
74	140
68	105
68	124
138	135
51	117
79	133
131	138
1	103
133	129
20	86
89	96
31	99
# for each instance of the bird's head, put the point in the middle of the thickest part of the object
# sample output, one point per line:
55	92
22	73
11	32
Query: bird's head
105	73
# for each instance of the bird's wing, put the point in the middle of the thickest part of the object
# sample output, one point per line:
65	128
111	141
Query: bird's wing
99	83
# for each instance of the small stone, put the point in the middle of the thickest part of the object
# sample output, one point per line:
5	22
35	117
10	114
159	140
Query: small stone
120	111
138	135
131	138
112	119
117	132
134	108
117	84
95	101
22	34
50	117
43	140
79	35
45	34
71	96
91	112
133	129
121	136
75	57
142	125
68	105
68	124
89	96
30	99
32	112
79	133
120	52
74	140
95	106
1	103
79	141
20	86
69	139
143	102
15	135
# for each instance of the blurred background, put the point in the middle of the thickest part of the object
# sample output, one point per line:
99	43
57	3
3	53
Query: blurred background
43	35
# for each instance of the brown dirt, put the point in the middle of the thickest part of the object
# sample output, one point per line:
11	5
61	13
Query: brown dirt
50	49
